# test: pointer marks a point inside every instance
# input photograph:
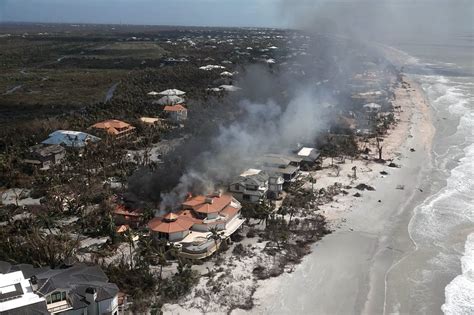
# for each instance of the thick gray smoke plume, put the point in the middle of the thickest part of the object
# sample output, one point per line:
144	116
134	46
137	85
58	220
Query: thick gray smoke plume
268	126
386	21
271	125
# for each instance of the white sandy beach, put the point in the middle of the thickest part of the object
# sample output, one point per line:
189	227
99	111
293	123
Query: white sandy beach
351	263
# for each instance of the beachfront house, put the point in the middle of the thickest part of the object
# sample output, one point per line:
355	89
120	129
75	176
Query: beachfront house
176	113
45	156
70	139
114	128
193	229
251	186
275	186
309	156
286	166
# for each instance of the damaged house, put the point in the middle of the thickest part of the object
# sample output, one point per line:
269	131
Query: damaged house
125	216
45	156
202	224
285	166
309	156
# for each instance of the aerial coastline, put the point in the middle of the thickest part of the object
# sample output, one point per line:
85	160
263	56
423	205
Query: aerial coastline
353	217
222	170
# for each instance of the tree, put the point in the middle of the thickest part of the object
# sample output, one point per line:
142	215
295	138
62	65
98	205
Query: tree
379	145
131	245
216	236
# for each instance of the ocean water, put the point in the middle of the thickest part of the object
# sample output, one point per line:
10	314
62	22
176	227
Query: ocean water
442	227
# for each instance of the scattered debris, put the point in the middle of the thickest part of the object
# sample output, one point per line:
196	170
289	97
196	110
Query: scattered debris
363	186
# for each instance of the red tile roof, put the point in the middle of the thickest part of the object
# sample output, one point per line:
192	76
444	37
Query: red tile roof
207	204
122	210
175	108
112	126
164	225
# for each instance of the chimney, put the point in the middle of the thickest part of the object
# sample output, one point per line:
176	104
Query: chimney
34	283
217	194
91	296
209	201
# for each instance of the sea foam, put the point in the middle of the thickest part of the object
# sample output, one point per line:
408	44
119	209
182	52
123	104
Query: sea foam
460	292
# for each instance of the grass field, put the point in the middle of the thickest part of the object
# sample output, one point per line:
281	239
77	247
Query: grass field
57	87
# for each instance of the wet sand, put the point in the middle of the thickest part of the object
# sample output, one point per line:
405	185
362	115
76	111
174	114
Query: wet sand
346	273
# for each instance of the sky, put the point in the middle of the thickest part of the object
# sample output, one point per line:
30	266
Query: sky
411	15
157	12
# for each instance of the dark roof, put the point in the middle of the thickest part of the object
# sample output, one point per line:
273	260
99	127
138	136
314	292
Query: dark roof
28	270
76	280
5	267
31	309
46	150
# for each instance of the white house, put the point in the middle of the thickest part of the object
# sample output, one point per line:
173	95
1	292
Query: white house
17	296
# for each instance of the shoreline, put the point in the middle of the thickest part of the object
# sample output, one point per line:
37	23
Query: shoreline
361	235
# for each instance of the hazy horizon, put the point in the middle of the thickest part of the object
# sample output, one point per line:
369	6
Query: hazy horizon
391	15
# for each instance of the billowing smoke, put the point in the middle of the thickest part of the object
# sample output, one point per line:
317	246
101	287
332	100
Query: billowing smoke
288	104
268	126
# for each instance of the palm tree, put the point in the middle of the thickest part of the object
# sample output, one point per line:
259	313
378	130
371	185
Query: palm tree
131	245
216	235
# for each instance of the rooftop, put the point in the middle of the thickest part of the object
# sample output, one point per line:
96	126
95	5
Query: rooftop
113	126
208	204
174	108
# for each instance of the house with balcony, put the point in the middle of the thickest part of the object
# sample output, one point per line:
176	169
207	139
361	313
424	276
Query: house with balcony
202	224
251	186
79	289
116	129
275	186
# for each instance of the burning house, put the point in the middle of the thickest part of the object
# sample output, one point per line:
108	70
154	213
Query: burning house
125	216
193	228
